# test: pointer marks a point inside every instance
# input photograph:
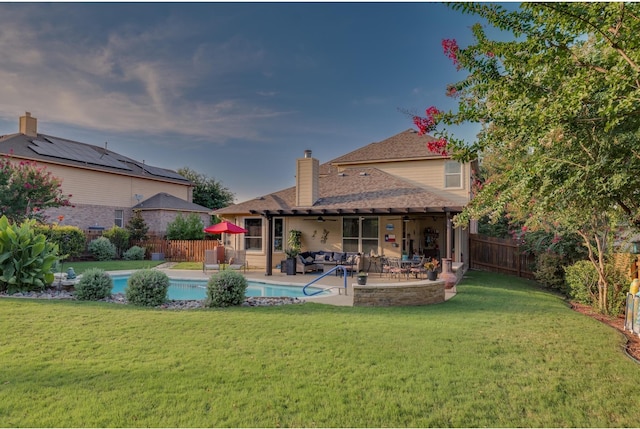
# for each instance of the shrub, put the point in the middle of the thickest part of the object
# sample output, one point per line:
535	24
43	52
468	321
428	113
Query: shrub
94	285
26	257
550	271
225	289
582	281
119	237
147	288
102	249
137	227
71	240
135	253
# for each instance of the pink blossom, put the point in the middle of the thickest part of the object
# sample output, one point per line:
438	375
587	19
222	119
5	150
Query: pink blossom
450	47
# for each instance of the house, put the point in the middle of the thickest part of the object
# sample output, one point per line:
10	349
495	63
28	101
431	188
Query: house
105	186
394	197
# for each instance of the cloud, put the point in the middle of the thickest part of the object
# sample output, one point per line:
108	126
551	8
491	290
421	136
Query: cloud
129	79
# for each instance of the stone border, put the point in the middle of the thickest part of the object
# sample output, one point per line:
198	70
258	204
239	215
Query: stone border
399	294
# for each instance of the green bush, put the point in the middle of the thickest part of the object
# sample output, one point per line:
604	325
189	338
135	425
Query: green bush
147	288
549	271
94	285
102	249
71	240
135	253
225	289
137	227
119	237
582	281
26	257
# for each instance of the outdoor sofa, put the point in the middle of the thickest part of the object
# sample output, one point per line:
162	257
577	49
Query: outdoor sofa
317	261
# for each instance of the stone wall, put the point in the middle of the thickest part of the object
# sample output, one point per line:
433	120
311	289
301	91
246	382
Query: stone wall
397	294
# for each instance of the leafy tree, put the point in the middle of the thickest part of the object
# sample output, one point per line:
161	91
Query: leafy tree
207	192
26	190
191	228
559	112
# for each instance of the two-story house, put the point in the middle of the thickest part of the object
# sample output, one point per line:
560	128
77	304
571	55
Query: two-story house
390	198
105	186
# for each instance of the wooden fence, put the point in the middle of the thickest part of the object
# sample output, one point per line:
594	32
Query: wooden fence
178	250
499	256
172	250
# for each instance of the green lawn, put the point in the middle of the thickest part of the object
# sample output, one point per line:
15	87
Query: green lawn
502	353
115	265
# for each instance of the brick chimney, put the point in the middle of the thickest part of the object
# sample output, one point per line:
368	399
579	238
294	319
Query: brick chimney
307	180
28	125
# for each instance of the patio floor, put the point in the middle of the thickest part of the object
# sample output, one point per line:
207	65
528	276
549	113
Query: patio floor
329	281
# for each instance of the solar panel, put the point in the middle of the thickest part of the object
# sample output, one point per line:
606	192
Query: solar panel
160	172
75	152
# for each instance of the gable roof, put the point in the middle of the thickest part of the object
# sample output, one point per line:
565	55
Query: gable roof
346	185
354	190
402	146
164	201
61	151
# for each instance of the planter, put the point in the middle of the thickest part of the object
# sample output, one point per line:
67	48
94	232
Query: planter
291	267
362	280
432	275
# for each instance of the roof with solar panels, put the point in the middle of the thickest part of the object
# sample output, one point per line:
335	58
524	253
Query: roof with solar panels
34	146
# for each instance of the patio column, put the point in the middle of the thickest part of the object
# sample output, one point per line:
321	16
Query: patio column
269	261
449	236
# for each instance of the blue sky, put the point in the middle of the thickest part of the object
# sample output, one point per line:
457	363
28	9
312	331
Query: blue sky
236	91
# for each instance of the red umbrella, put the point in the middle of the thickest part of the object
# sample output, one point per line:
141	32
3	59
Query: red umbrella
225	226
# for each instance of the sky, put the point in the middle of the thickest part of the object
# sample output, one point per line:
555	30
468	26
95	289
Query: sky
234	91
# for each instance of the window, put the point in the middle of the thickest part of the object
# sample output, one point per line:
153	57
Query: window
119	218
452	174
360	234
253	238
278	234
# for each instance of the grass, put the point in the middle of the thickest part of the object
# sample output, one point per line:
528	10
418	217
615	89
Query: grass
81	266
502	353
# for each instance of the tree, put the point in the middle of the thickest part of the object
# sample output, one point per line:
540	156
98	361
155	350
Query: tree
26	190
207	192
559	109
137	227
190	228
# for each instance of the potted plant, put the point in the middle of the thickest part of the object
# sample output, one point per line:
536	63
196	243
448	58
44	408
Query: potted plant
362	278
293	251
432	269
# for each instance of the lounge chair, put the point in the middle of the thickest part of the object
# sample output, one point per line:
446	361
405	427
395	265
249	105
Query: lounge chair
239	261
210	260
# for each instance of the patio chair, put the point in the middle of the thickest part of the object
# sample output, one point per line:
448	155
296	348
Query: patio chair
397	268
417	268
239	261
210	261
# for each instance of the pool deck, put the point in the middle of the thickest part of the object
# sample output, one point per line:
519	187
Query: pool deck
329	281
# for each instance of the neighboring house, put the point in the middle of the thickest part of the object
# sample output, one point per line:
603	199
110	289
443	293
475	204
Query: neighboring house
104	185
388	198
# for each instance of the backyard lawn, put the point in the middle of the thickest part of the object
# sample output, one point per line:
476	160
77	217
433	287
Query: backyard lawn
502	353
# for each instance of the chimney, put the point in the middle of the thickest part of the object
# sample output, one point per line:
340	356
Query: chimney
307	180
28	125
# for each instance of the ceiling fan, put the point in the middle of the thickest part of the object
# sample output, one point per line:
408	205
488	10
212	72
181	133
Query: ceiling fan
404	218
321	219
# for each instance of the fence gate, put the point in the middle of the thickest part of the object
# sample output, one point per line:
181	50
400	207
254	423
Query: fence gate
499	255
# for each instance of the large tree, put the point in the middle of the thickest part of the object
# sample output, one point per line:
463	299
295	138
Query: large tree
27	189
559	109
208	192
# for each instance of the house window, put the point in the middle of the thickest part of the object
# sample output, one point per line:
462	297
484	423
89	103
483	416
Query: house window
360	234
119	218
253	237
278	234
453	174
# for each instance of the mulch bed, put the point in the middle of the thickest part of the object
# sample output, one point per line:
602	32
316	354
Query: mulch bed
633	340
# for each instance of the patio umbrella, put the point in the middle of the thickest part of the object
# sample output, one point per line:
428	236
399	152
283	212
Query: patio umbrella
226	227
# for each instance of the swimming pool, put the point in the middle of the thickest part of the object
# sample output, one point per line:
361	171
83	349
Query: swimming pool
181	289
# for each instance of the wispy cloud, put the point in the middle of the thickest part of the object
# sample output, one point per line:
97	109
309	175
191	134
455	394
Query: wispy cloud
129	80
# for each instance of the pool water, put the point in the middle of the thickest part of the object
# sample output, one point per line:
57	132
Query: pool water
197	289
